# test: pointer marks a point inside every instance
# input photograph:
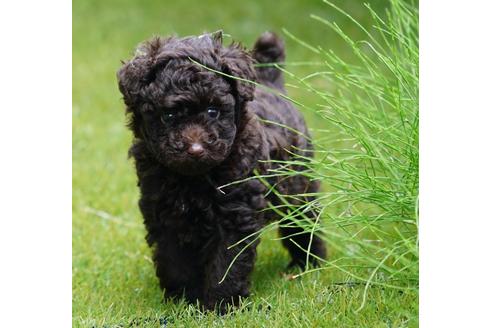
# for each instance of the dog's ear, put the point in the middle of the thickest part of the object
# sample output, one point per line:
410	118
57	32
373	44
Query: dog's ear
134	74
129	79
239	63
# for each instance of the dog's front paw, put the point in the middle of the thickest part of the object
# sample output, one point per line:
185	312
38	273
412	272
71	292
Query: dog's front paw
225	305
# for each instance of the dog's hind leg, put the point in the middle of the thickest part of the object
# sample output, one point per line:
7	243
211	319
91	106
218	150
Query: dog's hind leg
299	239
301	244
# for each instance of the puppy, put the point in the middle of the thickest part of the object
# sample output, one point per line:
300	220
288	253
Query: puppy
199	123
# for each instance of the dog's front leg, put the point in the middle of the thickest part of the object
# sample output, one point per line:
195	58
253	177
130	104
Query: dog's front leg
177	268
227	274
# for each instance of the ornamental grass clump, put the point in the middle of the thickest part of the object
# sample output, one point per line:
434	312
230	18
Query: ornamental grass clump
366	150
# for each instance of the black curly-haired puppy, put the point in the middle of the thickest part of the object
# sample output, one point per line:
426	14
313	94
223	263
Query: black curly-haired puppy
196	130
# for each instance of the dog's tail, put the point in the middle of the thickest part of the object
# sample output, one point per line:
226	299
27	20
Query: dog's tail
269	49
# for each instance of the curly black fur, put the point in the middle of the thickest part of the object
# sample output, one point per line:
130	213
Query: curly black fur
196	130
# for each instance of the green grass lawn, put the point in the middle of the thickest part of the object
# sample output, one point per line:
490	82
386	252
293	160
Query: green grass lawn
113	278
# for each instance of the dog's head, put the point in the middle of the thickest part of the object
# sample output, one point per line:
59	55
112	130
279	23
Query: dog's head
187	114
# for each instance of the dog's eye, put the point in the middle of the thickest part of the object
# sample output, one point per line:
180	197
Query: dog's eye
213	112
167	117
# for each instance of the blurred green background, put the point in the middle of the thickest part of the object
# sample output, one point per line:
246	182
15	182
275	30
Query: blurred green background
113	278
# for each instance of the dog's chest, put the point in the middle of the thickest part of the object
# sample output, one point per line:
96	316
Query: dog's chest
187	210
195	213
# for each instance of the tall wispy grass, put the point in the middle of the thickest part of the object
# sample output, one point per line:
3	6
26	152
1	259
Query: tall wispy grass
367	154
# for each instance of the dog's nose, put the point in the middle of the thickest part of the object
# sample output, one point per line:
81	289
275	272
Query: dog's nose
195	149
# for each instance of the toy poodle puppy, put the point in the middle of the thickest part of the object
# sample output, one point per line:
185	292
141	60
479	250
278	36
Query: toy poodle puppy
200	123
